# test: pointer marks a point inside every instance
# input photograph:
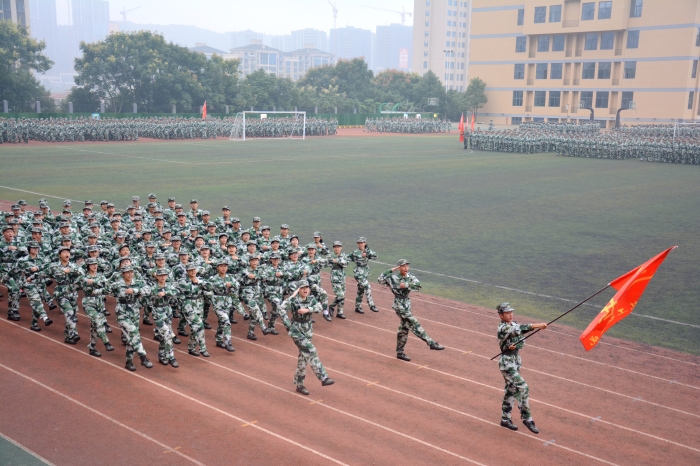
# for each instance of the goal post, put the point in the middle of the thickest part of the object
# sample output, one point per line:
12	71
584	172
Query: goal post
268	125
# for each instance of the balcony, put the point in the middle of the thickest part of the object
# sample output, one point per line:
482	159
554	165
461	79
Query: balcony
528	108
618	52
579	53
567	81
532	54
616	81
530	81
577	81
572	23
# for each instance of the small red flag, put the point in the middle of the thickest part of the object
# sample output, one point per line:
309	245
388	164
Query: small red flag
472	122
204	110
630	287
461	128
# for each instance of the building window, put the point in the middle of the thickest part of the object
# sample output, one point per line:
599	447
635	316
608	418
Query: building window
601	99
636	8
556	71
554	98
633	39
604	10
540	98
691	97
519	72
588	71
555	14
427	23
426	33
425	44
425	53
588	11
520	44
607	41
427	2
591	41
627	97
517	98
448	34
630	69
427	13
558	42
541	71
604	70
586	99
425	64
694	73
521	16
540	14
543	44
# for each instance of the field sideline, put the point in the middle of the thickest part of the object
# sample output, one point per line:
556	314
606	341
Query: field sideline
543	224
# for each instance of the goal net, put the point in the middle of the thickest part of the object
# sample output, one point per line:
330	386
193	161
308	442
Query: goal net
268	125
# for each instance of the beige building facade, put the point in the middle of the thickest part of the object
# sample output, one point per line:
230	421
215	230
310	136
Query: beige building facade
441	40
16	11
550	59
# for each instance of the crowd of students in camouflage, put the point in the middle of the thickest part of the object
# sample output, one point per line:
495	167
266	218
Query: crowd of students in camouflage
161	264
407	125
656	144
81	129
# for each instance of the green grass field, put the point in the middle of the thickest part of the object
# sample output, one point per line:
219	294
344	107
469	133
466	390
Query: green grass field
557	226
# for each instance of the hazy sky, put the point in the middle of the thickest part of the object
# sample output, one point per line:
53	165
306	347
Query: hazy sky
267	16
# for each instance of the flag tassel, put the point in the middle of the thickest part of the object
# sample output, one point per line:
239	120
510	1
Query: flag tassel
552	321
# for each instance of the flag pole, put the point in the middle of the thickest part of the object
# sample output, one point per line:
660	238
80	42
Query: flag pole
552	321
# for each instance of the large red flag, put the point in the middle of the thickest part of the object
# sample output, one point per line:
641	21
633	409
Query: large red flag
472	121
204	110
461	128
630	287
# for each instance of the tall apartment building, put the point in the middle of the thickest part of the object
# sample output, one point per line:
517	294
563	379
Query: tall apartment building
392	48
546	59
298	39
441	40
16	11
90	20
44	24
350	42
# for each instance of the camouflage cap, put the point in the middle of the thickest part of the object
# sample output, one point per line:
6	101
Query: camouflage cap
178	206
138	218
292	251
15	207
87	208
190	266
504	307
194	201
245	232
231	244
114	219
361	239
63	248
193	227
66	238
37	230
159	256
103	202
110	204
275	255
124	258
131	207
88	202
264	227
254	257
150	244
93	248
161	272
198	237
121	234
317	234
176	238
158	211
13	222
33	244
284	226
152	196
67	202
135	198
92	235
171	199
311	246
256	219
126	268
122	246
39	213
302	284
165	231
294	236
235	220
248	243
22	202
91	260
337	243
223	233
205	212
211	224
37	221
151	205
226	208
219	263
275	239
64	225
183	253
401	262
181	214
205	246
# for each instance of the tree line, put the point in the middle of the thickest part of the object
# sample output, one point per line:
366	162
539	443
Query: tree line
143	68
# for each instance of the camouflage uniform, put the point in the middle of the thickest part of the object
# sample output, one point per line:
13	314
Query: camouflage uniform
66	295
94	306
273	290
7	278
509	365
251	296
338	264
361	273
192	295
127	311
32	283
163	316
222	302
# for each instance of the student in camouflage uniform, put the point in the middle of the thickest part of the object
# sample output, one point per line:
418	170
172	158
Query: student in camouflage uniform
361	257
93	285
192	294
128	293
223	287
273	289
300	328
251	295
510	341
66	273
8	251
31	270
338	261
162	293
401	285
313	265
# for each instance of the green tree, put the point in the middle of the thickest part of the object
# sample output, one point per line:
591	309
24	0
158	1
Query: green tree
19	56
430	87
475	95
397	87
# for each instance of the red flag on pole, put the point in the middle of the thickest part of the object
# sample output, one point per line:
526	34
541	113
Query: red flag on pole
204	110
461	128
472	121
630	287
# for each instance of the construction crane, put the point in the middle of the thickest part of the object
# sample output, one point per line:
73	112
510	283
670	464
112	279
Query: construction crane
125	11
403	12
335	12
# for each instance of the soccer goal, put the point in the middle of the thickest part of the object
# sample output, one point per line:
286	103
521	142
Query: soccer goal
268	125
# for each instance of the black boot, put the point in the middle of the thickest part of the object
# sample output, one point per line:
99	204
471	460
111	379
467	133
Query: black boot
327	381
436	346
48	322
251	336
373	308
508	424
173	362
302	389
176	341
109	347
94	352
403	357
145	362
531	425
130	366
207	326
35	327
147	321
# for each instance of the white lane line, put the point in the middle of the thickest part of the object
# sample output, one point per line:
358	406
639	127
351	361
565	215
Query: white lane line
27	450
541	295
380	290
500	389
101	414
187	397
463	351
124	155
377	384
345	413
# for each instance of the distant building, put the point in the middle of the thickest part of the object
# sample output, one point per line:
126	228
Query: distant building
90	20
257	56
43	24
298	39
16	11
243	38
201	47
297	62
393	46
350	42
441	40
